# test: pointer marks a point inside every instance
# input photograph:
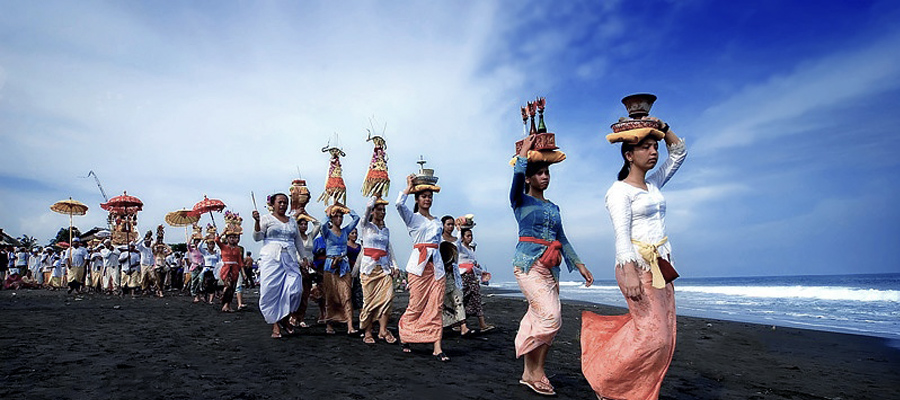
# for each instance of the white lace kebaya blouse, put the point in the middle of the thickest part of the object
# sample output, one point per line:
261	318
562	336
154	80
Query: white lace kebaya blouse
639	214
375	238
421	230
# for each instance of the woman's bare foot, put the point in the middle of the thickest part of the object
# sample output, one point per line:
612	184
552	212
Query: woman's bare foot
276	331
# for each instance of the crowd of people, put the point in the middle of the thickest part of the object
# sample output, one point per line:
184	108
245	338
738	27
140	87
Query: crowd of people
138	268
349	270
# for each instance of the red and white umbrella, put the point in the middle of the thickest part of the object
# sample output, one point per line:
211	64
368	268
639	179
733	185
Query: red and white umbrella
123	204
208	205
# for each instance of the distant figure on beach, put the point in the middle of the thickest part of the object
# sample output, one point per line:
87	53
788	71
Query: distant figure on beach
542	246
338	281
627	356
281	284
377	267
471	271
421	322
454	313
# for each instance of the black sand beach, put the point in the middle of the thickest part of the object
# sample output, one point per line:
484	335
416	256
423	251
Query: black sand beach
58	346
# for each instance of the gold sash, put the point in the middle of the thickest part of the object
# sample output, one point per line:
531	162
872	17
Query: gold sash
650	252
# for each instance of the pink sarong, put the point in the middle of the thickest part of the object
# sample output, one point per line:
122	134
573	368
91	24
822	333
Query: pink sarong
627	356
544	316
421	322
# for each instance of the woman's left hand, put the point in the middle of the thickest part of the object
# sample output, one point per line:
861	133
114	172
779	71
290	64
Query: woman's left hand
588	277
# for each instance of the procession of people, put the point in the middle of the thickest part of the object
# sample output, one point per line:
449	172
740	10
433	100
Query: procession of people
337	262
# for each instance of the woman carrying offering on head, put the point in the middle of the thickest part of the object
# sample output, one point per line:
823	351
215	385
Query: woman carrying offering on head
627	356
421	322
338	281
281	284
542	246
377	268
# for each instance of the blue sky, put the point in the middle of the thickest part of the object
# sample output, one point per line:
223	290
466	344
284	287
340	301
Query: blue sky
788	109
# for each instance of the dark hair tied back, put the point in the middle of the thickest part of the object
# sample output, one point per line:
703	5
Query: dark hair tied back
623	173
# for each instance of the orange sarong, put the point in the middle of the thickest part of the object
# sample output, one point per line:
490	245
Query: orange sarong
543	319
627	356
421	322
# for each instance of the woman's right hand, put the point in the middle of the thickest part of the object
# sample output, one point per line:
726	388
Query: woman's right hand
632	281
255	215
527	144
409	182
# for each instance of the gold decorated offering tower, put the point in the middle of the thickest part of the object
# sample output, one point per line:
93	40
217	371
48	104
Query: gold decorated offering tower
544	148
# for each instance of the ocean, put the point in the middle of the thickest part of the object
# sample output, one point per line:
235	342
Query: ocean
859	304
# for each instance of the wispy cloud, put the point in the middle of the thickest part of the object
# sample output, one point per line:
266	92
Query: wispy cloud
791	103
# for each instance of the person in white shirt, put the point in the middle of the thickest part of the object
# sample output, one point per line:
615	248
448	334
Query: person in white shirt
20	266
280	282
112	272
96	270
212	261
377	269
75	259
130	263
34	265
627	356
58	272
147	275
421	322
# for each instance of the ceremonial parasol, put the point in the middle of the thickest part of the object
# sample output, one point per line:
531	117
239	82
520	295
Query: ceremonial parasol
69	207
182	218
208	205
123	204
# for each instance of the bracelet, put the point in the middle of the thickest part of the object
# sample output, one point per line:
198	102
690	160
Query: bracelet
665	128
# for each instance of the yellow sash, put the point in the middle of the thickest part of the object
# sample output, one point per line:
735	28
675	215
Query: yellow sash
650	252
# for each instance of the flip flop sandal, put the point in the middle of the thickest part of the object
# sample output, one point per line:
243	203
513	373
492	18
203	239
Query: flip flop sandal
388	338
405	348
369	340
535	386
441	357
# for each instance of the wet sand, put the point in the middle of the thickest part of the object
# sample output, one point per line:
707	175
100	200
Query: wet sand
58	346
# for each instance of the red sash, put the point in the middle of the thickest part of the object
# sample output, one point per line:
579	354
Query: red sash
423	250
374	253
551	257
466	268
